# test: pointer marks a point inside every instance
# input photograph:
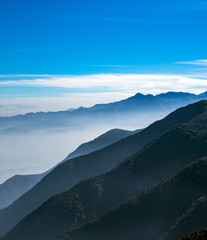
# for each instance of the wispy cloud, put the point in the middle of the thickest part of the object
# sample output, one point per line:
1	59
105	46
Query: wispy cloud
199	62
88	90
147	83
114	66
19	76
201	69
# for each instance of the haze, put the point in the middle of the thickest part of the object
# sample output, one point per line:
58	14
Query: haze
37	152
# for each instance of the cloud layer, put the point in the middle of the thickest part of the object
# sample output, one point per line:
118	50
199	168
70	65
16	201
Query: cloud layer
145	83
87	90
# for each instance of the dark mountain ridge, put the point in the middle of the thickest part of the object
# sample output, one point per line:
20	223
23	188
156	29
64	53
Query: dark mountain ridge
69	173
192	220
152	212
91	198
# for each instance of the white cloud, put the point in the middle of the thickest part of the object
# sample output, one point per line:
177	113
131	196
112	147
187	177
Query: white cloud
145	83
88	90
72	100
199	62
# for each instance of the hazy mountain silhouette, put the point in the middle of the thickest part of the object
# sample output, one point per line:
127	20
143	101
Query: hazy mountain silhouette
16	186
144	107
13	131
69	173
138	104
100	142
93	197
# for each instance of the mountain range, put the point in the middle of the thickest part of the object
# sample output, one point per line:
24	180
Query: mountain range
138	162
66	175
146	108
151	213
143	108
148	184
16	186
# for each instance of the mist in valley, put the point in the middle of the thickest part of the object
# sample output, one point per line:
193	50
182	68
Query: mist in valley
33	153
38	150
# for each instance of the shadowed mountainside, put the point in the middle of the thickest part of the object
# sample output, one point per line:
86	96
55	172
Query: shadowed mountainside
151	213
93	197
194	219
69	173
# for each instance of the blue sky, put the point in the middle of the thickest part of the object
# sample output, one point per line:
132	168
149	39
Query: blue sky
83	38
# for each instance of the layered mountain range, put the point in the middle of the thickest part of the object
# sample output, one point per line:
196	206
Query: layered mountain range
137	110
144	186
150	214
146	108
16	186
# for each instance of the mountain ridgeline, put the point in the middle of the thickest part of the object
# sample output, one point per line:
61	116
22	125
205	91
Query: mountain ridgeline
146	108
136	109
179	140
150	214
69	173
100	142
16	186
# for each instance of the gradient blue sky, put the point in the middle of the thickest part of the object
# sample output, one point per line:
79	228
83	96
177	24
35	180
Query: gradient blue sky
83	38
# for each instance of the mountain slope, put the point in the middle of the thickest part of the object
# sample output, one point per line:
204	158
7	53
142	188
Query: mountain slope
191	221
151	213
69	173
102	141
16	186
93	197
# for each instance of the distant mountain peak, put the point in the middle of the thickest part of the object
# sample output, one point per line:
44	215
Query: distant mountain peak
172	93
139	96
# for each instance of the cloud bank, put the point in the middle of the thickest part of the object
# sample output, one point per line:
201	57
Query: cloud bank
87	90
145	83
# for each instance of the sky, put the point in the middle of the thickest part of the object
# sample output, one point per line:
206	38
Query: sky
56	55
